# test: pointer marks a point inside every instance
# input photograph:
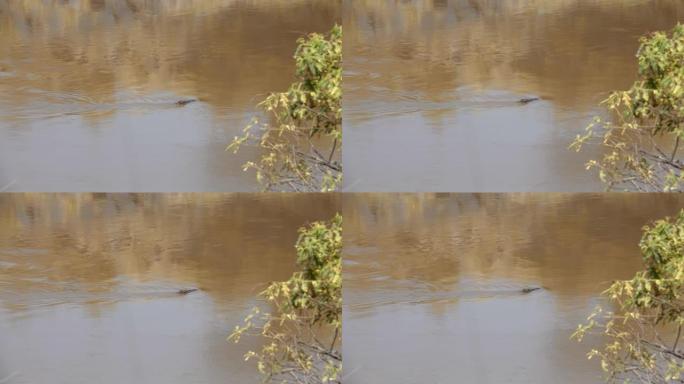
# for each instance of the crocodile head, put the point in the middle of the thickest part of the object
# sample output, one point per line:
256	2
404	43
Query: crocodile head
186	291
185	102
529	289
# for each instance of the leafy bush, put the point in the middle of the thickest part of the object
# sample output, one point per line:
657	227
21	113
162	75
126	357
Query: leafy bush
304	119
644	330
642	139
302	334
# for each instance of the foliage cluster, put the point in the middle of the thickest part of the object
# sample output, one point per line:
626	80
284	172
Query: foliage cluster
644	329
301	121
642	139
302	332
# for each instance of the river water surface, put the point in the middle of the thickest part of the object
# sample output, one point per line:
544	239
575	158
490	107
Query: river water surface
431	89
432	283
88	283
88	89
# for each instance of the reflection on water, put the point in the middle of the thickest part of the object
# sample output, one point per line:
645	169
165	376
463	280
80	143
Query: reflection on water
88	89
431	89
433	283
88	283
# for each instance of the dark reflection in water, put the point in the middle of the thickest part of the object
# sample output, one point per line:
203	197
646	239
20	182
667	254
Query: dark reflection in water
433	282
88	89
88	282
431	89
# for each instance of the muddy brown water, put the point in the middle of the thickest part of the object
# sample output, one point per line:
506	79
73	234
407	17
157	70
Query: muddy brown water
88	283
88	89
433	283
431	89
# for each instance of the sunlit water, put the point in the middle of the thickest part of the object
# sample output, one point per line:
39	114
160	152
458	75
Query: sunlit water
88	283
432	89
433	283
88	89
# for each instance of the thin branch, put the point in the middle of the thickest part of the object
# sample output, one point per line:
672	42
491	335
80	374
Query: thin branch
674	151
679	333
332	152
